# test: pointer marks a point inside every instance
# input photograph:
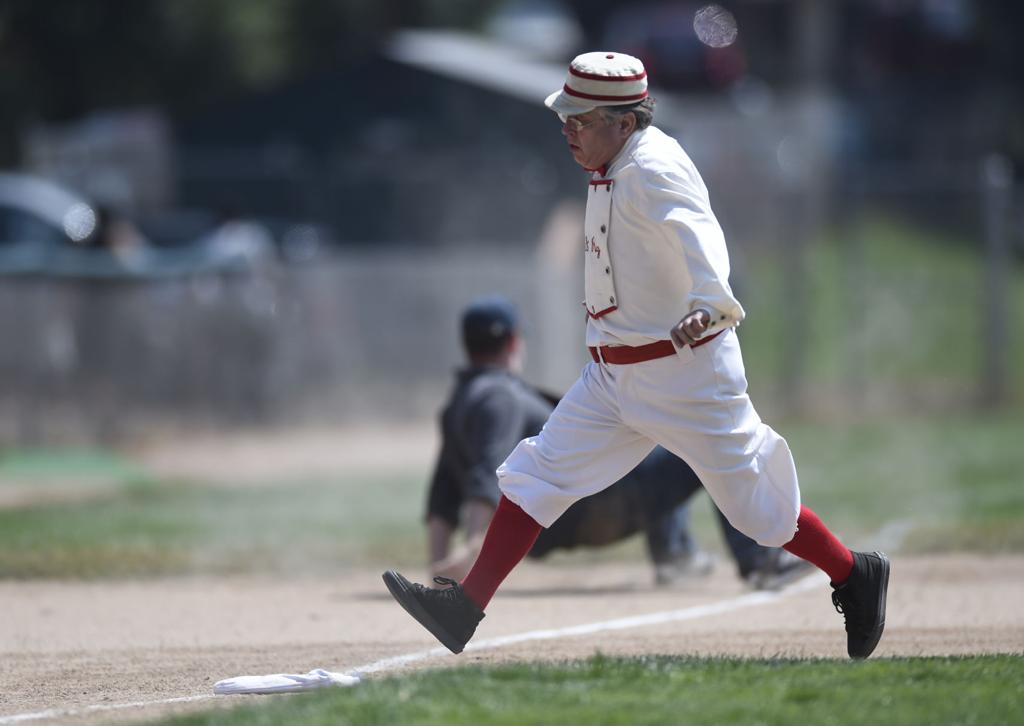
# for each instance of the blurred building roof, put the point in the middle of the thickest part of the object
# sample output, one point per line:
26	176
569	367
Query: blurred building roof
496	66
439	139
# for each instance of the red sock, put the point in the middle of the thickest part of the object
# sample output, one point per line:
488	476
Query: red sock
510	536
815	543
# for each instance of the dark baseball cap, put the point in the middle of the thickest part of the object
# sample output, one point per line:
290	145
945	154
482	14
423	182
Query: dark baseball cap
487	323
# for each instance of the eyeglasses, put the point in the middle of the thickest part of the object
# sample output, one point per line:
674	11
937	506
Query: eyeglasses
573	123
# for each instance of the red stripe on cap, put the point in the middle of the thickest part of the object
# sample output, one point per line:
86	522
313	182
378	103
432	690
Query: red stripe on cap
594	97
596	77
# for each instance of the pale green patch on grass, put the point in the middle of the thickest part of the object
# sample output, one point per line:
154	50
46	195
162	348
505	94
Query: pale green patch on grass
68	466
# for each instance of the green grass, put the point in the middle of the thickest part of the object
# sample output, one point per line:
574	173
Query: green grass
159	528
667	690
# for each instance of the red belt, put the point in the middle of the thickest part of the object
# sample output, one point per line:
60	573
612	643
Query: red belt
624	354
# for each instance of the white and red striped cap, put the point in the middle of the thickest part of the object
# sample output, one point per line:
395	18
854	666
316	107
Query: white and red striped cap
599	79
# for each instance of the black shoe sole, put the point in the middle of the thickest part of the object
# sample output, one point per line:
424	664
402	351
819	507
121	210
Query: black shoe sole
400	589
869	647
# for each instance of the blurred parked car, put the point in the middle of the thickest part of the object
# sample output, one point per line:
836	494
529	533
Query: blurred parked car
48	230
299	242
291	241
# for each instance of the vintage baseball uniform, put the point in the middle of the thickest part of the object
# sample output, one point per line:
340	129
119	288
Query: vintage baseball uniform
654	252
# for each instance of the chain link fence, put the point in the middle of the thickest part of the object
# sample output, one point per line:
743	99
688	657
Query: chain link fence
902	291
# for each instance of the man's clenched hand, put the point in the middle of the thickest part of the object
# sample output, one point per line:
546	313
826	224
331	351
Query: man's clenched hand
691	328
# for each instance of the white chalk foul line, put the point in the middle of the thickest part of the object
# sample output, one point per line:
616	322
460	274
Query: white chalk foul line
637	621
386	664
97	708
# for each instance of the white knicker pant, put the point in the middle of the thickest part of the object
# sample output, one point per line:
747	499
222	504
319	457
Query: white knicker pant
695	404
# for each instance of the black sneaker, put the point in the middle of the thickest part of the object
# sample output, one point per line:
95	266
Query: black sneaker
861	600
447	613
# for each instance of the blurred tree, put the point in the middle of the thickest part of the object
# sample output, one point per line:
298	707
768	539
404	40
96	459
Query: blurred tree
60	59
1000	24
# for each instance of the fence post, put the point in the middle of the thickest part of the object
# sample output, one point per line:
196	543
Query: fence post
997	193
850	221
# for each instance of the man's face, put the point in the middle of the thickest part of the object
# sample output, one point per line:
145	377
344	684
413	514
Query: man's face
595	137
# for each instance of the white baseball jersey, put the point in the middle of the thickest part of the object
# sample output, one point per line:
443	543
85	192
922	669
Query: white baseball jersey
653	248
654	252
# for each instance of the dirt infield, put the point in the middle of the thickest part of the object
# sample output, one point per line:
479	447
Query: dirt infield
256	459
70	646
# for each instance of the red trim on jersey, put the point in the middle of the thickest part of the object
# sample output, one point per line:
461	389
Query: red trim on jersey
596	77
601	314
595	97
602	182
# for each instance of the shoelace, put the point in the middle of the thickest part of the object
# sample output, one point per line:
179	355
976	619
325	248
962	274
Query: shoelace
840	606
449	593
454	595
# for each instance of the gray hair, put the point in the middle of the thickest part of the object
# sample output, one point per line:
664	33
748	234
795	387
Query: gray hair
642	111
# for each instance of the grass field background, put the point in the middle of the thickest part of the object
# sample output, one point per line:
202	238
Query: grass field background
899	323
